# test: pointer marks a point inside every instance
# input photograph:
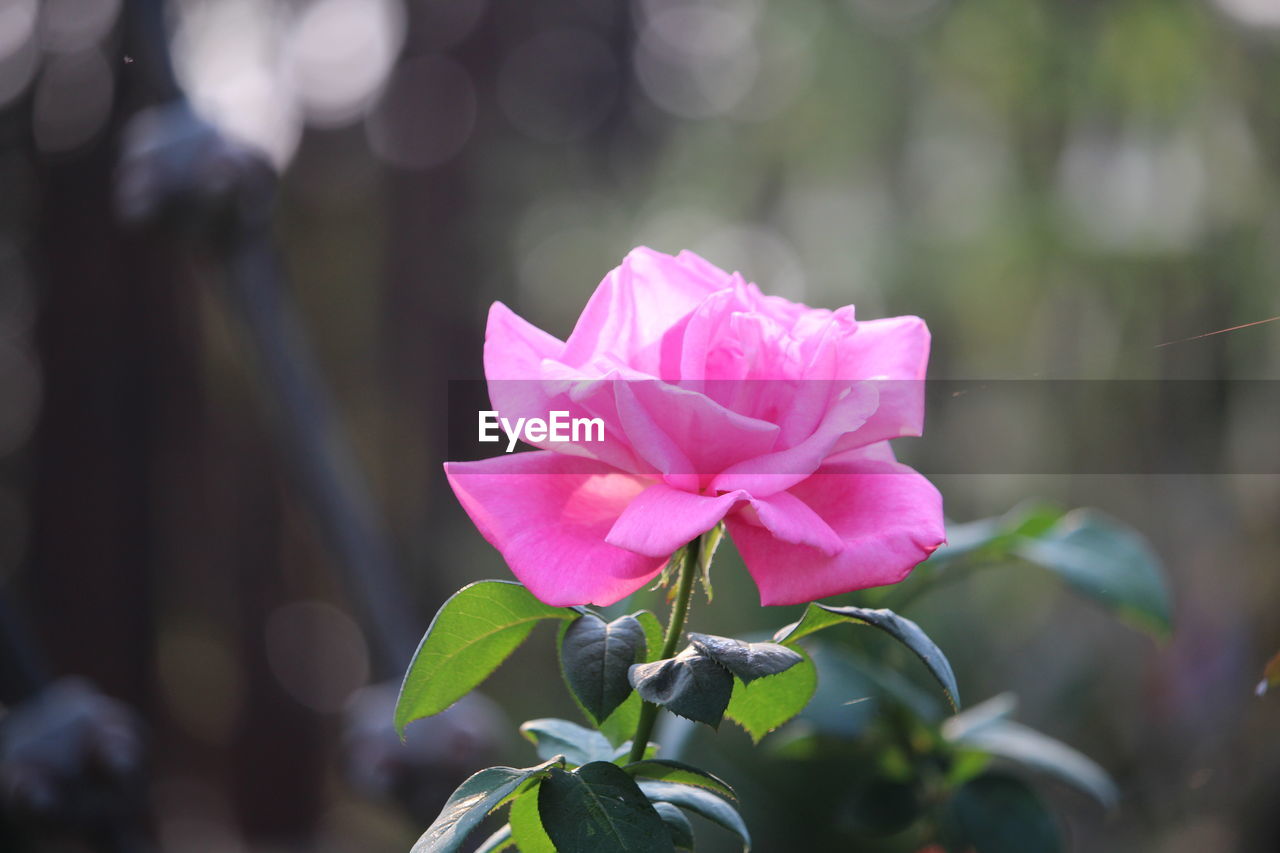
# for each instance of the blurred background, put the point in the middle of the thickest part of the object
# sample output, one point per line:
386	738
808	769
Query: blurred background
221	397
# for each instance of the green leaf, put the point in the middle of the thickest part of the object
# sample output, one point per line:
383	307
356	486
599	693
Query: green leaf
670	572
621	724
678	825
994	538
665	770
470	636
500	840
819	616
622	754
594	658
747	661
815	618
996	813
701	802
1270	676
526	824
1108	562
763	705
1015	742
652	634
976	719
599	809
578	744
472	800
710	542
689	684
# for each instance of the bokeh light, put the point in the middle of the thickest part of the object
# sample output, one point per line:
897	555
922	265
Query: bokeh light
1254	13
697	60
19	50
70	26
426	113
202	683
317	653
72	100
559	85
1135	190
339	53
227	56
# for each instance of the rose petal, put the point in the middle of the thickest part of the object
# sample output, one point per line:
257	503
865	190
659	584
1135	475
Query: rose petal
685	435
892	348
663	519
888	516
895	350
520	363
637	303
775	472
513	347
548	515
792	520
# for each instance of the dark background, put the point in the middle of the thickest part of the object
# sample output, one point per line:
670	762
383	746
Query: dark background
1057	188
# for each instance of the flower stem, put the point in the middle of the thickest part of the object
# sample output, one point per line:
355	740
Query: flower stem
675	628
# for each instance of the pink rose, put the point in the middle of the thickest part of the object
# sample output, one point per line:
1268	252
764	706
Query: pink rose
718	403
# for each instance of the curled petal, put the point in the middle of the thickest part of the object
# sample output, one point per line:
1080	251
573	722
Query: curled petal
686	436
888	517
892	348
548	515
520	361
663	519
513	347
780	470
792	520
635	305
895	353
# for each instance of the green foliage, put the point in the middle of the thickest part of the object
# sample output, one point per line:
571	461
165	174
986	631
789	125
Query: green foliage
994	538
526	824
472	801
701	802
678	826
698	683
665	770
710	543
599	809
470	636
672	570
747	661
500	840
986	729
1098	557
909	764
595	657
621	724
997	813
819	616
578	745
690	684
1107	562
763	705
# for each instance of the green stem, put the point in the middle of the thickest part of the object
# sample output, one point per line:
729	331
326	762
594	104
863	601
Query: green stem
675	629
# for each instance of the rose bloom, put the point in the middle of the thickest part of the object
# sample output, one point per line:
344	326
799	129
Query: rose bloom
719	403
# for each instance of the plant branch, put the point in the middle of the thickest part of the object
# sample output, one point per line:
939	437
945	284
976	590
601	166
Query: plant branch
675	629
